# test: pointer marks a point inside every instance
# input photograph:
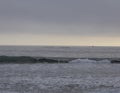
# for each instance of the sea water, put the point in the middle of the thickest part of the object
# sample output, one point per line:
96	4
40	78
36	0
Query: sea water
77	76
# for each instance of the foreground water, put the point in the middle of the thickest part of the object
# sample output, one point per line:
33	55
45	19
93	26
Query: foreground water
60	78
77	76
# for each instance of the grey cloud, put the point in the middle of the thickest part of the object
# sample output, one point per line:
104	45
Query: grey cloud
62	10
102	15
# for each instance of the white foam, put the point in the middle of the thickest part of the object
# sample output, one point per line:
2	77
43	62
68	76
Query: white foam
89	61
82	83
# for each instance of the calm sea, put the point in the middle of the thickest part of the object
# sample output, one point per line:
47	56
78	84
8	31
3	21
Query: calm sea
58	51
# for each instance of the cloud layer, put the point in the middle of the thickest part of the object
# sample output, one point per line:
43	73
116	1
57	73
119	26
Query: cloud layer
90	18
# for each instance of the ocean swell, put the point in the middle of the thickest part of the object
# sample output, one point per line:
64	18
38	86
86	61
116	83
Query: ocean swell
30	59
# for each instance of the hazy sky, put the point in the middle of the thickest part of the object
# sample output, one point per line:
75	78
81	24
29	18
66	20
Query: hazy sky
60	22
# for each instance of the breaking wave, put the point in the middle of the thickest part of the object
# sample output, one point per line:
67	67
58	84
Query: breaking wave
90	61
30	59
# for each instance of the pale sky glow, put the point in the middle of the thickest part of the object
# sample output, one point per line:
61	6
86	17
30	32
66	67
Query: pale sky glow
60	22
50	40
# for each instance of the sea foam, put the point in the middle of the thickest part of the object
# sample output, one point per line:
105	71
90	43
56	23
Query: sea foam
89	61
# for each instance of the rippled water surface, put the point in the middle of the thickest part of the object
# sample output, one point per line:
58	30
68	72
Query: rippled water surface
60	78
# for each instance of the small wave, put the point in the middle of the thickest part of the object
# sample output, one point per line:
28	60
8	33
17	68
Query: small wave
28	59
89	61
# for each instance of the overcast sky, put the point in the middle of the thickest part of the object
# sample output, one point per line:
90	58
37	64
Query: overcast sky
60	22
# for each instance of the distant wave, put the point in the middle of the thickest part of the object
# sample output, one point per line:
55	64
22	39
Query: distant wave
30	59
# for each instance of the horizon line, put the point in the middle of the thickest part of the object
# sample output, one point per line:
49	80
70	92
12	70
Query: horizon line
66	45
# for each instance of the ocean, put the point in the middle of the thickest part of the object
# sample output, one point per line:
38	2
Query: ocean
80	75
62	51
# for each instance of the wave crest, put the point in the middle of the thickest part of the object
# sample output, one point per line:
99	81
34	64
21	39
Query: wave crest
90	61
